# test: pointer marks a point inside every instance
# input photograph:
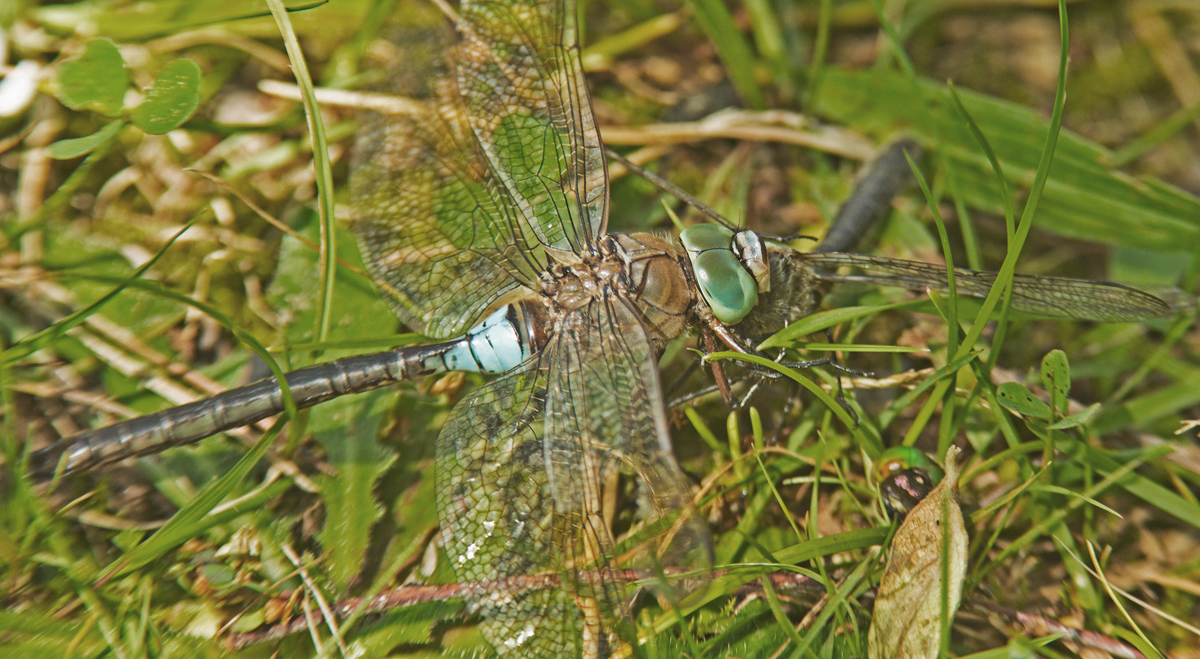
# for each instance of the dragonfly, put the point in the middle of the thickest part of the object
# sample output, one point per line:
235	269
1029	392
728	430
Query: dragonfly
482	219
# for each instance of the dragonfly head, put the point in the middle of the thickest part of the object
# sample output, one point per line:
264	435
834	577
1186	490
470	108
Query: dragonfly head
759	285
730	269
793	294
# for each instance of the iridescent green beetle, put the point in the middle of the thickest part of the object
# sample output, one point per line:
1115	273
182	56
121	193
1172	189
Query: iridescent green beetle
905	476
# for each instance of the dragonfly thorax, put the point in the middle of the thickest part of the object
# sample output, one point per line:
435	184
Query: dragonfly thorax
654	276
571	284
642	268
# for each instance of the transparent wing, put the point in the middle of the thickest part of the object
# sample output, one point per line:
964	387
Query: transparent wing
440	235
500	522
527	102
1055	297
523	466
605	395
498	519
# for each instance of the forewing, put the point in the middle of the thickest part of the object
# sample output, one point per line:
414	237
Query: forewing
604	414
441	237
589	407
1054	297
527	102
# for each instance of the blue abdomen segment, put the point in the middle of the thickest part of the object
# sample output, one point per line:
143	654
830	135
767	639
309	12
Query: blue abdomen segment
494	346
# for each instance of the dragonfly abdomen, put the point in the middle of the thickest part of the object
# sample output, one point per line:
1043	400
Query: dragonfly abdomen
496	345
187	424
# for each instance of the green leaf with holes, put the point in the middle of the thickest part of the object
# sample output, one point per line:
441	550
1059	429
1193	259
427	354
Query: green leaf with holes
1018	399
1080	418
1056	377
171	100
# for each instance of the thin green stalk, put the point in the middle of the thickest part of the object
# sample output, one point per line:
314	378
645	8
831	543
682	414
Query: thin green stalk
321	167
821	48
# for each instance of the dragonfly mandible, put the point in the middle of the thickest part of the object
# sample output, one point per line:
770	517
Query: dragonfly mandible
492	206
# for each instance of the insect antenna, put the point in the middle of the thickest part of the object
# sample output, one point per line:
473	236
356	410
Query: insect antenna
671	189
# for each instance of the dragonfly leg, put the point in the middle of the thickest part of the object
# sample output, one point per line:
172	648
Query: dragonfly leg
735	344
750	392
691	396
732	342
677	384
841	399
830	362
762	374
718	370
826	361
787	409
727	337
840	368
835	363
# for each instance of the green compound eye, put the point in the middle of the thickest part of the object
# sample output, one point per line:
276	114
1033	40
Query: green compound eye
700	237
728	289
